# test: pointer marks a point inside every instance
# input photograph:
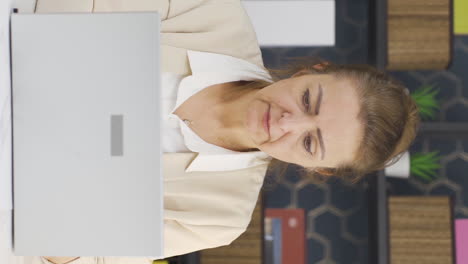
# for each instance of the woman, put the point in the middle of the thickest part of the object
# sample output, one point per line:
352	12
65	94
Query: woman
227	118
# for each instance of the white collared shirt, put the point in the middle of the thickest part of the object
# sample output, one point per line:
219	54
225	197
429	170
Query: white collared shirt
207	69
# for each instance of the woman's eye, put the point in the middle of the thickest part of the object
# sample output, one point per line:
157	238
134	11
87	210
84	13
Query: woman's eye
305	100
307	141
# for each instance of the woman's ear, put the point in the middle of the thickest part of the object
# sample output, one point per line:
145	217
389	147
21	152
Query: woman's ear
301	72
321	66
318	67
325	171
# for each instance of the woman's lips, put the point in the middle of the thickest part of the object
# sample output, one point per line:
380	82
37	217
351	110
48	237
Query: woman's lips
266	121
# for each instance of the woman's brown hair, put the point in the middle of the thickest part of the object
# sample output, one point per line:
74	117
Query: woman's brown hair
389	115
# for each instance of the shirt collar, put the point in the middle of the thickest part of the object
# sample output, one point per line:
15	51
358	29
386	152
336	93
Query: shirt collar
228	162
208	69
202	62
212	68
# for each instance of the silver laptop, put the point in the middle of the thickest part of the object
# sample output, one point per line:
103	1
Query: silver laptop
86	134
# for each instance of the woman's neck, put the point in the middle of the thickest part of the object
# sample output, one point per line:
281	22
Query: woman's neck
230	112
217	115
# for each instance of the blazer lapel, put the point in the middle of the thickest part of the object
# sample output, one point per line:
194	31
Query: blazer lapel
176	163
174	59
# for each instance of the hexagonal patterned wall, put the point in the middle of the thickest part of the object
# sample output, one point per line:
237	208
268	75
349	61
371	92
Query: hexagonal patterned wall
337	213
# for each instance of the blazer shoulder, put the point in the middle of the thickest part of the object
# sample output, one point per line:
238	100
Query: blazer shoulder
216	26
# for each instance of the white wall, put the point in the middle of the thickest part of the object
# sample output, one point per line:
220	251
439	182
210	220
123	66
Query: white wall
292	23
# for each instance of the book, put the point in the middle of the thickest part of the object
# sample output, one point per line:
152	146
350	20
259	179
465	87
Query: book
293	234
461	240
273	240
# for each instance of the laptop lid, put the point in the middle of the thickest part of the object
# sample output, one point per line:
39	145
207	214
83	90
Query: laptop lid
86	134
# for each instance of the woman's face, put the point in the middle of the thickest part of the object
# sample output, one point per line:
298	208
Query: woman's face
310	120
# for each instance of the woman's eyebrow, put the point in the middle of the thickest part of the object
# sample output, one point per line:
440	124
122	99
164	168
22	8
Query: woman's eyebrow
317	108
319	100
322	147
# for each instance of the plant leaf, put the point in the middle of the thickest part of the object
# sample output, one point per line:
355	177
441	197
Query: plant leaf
425	98
425	165
421	174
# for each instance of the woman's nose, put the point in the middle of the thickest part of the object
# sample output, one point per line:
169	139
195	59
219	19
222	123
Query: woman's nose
296	122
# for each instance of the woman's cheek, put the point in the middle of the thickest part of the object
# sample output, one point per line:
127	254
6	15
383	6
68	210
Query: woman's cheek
267	148
275	150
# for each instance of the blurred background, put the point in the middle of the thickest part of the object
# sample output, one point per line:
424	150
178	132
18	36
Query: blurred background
336	213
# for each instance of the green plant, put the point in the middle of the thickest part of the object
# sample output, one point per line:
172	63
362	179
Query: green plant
425	165
424	97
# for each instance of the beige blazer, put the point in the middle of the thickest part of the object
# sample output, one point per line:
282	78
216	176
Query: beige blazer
202	209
